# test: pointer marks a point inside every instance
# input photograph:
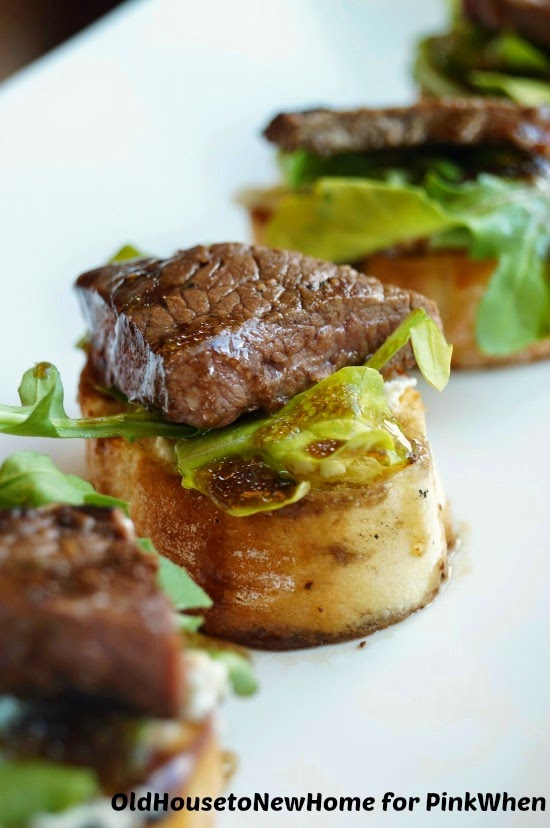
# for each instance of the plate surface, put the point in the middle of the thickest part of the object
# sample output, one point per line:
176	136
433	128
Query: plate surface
142	130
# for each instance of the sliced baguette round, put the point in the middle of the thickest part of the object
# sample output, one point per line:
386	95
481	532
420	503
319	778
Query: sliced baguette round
449	277
342	562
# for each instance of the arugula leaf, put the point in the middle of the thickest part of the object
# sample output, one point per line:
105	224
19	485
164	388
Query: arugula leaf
239	670
471	59
301	167
432	352
42	414
181	589
508	222
33	787
511	51
32	479
127	253
525	91
431	75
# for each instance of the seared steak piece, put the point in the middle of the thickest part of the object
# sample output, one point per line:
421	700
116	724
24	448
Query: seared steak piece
81	612
437	122
215	332
530	18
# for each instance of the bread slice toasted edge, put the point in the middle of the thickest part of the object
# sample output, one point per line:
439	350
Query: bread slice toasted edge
343	562
452	279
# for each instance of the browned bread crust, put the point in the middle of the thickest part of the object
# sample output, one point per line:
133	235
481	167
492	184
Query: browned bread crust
343	562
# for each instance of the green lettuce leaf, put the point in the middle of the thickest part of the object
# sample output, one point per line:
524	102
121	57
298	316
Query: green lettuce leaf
239	670
301	167
472	60
431	350
508	222
32	479
342	422
508	50
345	219
29	787
127	253
525	91
180	588
42	414
433	77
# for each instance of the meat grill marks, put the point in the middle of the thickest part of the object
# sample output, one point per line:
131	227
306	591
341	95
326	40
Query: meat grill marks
439	122
81	612
531	18
215	332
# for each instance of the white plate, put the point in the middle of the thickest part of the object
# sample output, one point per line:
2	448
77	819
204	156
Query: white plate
142	130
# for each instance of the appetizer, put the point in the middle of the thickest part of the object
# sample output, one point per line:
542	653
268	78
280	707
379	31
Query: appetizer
495	47
447	197
293	482
100	695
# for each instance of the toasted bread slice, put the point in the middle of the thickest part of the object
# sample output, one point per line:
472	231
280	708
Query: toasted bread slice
342	562
453	280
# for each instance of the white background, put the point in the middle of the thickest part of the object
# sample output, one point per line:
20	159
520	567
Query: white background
142	130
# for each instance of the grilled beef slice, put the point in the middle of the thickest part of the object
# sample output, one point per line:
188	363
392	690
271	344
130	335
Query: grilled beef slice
530	18
433	122
81	612
215	332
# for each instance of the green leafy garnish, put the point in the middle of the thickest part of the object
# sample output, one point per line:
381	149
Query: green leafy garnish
28	788
472	60
127	253
181	589
345	219
341	426
239	670
301	167
431	75
431	350
508	222
32	479
525	91
42	414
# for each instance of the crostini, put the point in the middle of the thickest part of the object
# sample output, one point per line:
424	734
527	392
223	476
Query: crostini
103	702
448	197
233	395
